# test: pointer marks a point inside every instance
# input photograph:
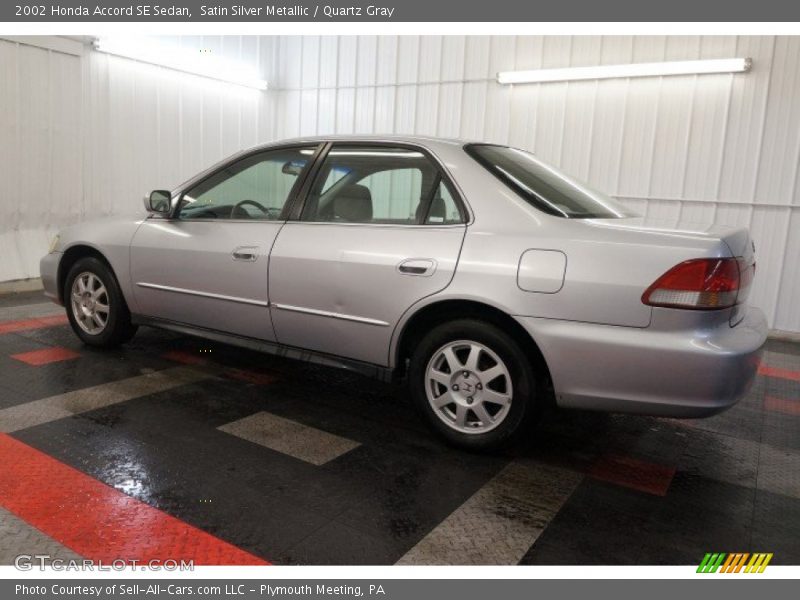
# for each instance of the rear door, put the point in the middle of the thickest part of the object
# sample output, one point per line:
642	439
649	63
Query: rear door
207	266
381	228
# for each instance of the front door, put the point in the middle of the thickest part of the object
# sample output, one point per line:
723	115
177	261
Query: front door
380	230
208	265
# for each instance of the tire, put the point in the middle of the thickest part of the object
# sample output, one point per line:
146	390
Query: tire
497	404
95	286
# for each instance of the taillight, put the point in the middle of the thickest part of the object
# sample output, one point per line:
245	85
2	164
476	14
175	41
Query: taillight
700	284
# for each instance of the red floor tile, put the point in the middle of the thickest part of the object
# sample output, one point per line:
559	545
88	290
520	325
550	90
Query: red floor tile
184	357
39	323
632	473
98	521
782	405
45	356
778	372
251	376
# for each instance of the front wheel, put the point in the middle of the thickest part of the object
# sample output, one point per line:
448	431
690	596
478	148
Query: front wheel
96	308
474	384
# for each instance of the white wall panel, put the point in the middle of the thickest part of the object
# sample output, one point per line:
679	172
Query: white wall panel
311	74
41	183
473	110
746	117
387	60
345	110
719	148
384	108
326	119
309	100
476	57
430	63
787	298
365	110
449	110
427	110
777	169
405	109
328	61
453	58
407	59
366	70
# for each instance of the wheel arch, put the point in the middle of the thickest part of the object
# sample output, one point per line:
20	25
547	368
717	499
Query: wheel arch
72	255
441	311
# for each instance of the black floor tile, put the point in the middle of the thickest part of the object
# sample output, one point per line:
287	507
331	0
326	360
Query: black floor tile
718	457
338	544
601	524
776	527
781	430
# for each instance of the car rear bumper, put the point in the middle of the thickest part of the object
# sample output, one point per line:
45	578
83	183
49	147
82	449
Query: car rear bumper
690	372
48	269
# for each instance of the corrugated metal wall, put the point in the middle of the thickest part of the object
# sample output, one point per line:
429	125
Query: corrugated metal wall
711	148
40	152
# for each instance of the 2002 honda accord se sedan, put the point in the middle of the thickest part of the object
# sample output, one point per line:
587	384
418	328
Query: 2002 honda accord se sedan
488	279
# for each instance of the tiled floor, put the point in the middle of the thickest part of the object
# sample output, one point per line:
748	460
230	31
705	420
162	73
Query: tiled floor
227	455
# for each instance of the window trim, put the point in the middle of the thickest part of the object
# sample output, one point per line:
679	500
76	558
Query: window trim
443	175
232	160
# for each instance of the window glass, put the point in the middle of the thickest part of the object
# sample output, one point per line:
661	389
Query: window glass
443	209
256	187
545	187
371	184
335	174
396	193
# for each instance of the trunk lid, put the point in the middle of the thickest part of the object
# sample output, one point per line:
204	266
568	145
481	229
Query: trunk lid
737	239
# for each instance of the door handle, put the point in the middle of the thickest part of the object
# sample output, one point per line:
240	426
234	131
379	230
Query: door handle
423	267
245	253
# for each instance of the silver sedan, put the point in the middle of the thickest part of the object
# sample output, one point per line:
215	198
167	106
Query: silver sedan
489	280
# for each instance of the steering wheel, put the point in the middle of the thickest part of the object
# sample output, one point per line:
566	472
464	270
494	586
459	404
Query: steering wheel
262	208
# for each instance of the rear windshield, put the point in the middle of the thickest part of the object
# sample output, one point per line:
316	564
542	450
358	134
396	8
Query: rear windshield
545	187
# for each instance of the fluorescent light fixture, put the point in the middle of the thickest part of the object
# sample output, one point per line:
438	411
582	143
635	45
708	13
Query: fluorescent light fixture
679	67
193	61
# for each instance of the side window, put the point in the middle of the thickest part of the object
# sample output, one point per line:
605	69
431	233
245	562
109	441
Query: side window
256	187
443	209
371	184
396	194
334	175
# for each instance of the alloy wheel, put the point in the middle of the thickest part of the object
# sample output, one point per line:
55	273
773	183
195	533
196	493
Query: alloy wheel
90	303
468	386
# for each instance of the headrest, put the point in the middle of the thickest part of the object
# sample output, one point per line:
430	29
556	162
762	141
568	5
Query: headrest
353	203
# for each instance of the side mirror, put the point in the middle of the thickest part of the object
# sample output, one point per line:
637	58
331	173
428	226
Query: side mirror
159	201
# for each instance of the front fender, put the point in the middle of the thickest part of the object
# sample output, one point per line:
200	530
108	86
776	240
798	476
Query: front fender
111	238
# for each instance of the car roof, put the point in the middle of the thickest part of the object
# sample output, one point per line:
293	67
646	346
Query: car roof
421	140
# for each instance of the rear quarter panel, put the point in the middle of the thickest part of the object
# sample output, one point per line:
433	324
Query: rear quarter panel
608	266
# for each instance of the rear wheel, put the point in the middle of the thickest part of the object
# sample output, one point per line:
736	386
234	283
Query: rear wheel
474	384
96	308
